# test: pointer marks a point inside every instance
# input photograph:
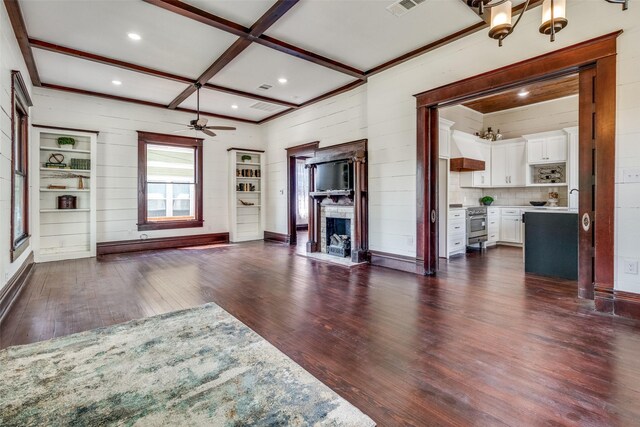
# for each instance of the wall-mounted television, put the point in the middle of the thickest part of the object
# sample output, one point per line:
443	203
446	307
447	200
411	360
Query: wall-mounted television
334	176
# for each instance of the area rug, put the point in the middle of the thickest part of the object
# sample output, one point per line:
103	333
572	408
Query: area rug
193	367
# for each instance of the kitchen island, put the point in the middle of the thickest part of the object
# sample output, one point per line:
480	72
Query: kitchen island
551	242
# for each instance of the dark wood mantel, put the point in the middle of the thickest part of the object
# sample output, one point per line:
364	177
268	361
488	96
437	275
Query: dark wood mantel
356	153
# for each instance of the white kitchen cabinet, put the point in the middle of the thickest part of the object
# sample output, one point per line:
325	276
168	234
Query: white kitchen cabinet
546	147
479	179
508	168
511	226
493	226
444	138
457	231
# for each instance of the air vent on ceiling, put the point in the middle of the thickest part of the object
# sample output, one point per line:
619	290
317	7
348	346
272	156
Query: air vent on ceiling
401	7
264	106
265	87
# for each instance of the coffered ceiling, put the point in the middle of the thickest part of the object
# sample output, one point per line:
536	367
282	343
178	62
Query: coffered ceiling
231	47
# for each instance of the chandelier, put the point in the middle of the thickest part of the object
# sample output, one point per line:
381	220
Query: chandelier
554	16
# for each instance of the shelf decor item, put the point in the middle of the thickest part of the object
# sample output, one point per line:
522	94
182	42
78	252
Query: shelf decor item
67	202
486	200
246	158
246	203
66	140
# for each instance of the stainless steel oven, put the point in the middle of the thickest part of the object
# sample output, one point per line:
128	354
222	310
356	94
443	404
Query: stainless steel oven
477	225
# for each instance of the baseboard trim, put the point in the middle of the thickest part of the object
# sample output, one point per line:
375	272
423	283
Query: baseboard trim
276	237
125	246
626	304
302	227
10	293
396	262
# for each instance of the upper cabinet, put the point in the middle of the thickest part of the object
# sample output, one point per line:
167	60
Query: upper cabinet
508	164
546	147
479	178
444	138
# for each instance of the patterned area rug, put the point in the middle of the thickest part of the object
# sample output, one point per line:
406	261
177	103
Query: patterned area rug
194	367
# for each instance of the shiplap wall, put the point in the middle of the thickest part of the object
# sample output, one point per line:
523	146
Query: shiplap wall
544	116
390	122
117	168
10	59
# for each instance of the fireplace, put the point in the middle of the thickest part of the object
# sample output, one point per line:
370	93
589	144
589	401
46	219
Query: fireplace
338	237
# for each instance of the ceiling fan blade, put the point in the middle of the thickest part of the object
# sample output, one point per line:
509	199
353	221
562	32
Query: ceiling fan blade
208	132
221	127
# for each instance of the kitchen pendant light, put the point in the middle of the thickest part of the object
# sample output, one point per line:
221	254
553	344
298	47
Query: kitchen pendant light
554	16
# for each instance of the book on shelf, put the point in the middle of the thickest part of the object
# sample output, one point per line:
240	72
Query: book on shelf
55	165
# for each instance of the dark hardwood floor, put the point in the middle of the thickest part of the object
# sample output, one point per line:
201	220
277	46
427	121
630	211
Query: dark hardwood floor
481	344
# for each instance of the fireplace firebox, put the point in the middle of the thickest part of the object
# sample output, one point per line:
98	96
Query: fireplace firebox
338	237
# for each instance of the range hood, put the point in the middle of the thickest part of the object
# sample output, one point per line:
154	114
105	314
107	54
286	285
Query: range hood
466	155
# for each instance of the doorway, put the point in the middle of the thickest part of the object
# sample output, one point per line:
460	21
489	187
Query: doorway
595	62
297	190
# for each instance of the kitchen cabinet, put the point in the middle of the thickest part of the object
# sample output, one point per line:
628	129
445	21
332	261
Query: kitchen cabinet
511	226
457	231
493	226
546	147
479	179
444	138
508	168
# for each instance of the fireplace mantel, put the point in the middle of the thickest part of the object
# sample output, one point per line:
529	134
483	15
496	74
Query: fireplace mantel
356	153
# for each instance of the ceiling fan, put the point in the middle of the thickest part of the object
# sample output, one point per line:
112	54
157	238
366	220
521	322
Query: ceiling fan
200	124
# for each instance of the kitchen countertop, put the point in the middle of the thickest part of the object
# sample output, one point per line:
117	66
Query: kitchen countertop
529	208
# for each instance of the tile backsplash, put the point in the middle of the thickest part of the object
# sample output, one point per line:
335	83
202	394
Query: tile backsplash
464	196
521	196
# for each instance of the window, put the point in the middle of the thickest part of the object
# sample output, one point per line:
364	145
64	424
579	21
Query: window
169	181
20	165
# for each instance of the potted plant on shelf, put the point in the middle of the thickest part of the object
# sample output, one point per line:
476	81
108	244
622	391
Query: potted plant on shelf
486	200
246	158
65	140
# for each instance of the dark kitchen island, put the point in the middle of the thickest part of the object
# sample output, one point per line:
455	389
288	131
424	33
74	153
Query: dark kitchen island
551	243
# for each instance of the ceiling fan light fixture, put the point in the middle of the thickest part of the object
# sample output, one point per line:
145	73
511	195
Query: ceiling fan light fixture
500	21
553	11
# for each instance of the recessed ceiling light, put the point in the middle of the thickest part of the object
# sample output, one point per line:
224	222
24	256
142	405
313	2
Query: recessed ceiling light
234	106
282	80
523	93
116	82
134	36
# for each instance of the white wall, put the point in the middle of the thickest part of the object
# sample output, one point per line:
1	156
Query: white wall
333	121
390	122
10	59
464	119
544	116
117	168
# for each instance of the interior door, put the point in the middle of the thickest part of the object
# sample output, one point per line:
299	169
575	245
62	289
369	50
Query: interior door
586	198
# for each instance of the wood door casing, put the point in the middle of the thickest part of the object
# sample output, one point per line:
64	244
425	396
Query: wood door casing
582	57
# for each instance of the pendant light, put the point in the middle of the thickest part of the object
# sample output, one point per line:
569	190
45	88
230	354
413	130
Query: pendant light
554	16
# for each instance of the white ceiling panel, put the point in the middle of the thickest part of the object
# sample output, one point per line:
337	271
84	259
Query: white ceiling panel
169	41
243	12
216	102
363	34
259	65
78	73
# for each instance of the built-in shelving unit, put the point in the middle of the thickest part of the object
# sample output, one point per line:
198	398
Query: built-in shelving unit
64	233
246	180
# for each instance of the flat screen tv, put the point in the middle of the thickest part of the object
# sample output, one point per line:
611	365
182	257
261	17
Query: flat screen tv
334	176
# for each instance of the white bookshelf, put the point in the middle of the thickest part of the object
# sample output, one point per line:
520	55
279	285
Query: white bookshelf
246	222
63	233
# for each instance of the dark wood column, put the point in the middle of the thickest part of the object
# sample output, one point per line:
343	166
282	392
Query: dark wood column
358	249
314	212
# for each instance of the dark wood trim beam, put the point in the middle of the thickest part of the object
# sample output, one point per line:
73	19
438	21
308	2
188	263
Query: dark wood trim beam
270	17
255	35
443	41
140	102
292	50
51	47
276	237
125	246
333	93
20	31
181	8
97	132
11	291
229	55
